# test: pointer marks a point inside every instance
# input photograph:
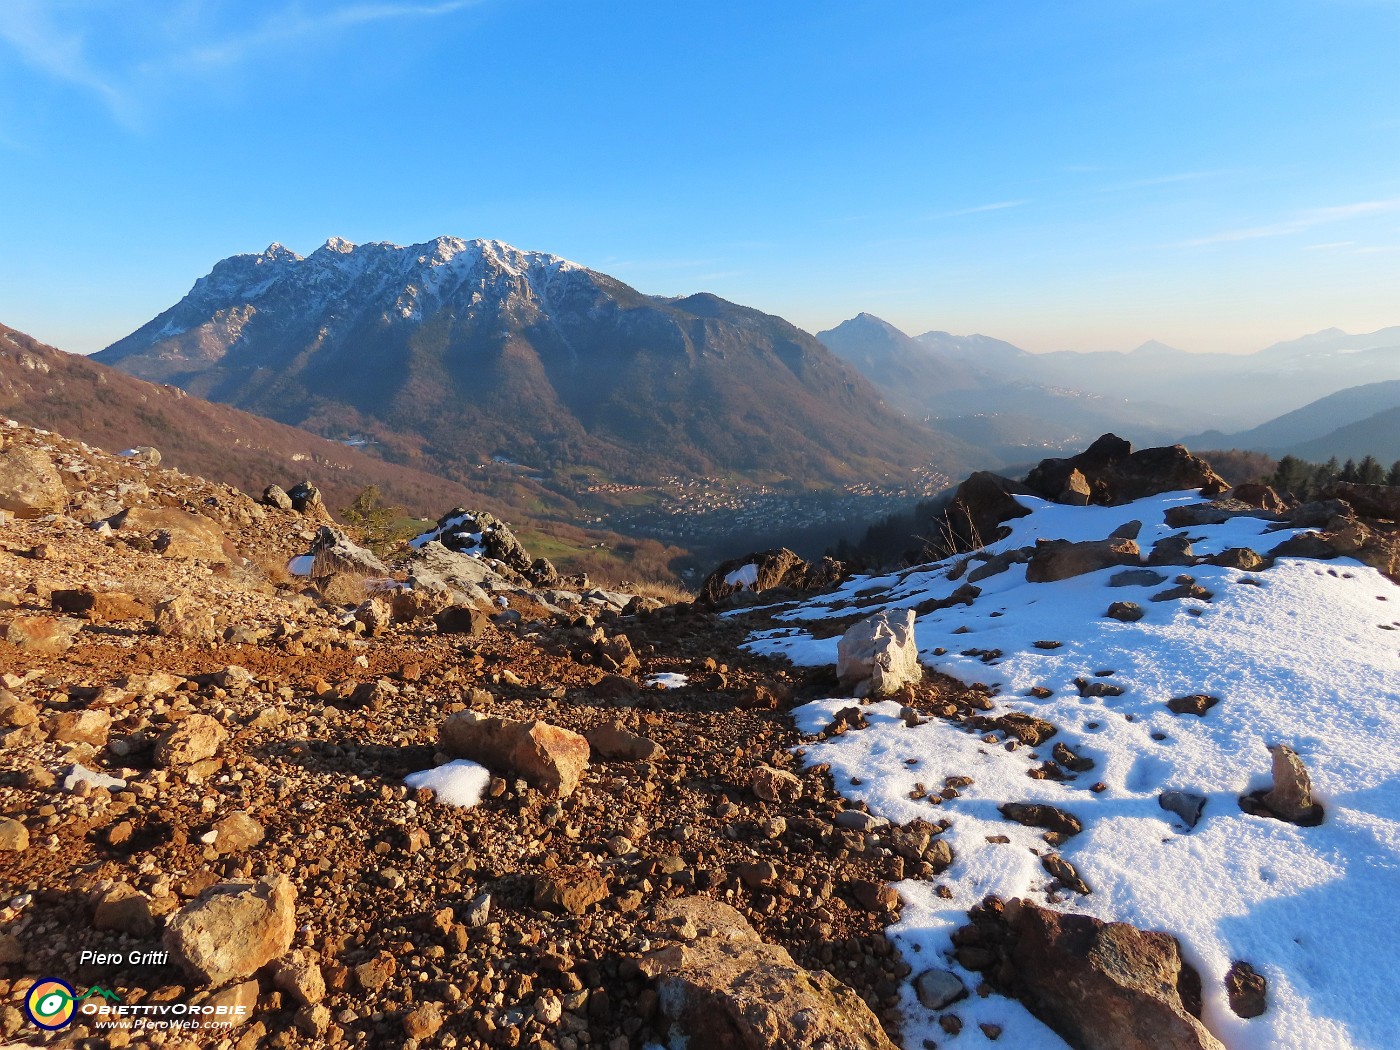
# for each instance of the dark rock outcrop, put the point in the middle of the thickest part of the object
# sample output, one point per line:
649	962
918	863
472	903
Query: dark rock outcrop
1100	986
483	535
980	506
1115	474
765	570
1060	559
1370	501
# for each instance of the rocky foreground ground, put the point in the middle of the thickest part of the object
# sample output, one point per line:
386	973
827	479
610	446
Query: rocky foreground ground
182	723
209	705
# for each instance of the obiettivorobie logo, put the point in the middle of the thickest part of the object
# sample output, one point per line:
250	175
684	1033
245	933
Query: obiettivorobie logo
52	1004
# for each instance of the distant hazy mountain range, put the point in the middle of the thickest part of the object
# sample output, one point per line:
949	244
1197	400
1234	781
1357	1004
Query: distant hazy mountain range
988	393
995	395
452	352
1350	424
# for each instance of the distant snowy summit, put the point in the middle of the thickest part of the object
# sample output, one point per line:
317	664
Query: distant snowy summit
413	277
461	350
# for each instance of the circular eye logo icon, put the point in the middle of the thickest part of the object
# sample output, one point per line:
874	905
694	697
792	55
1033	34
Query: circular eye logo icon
50	1003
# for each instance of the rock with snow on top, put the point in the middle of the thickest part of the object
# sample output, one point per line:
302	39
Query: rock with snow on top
765	570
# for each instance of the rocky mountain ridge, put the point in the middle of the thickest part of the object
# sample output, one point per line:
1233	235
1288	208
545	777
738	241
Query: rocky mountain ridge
457	351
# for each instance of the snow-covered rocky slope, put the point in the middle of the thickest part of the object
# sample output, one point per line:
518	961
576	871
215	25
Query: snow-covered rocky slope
1304	653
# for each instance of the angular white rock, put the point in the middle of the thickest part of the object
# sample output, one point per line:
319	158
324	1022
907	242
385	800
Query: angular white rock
878	655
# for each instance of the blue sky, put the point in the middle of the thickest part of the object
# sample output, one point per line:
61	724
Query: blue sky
1083	175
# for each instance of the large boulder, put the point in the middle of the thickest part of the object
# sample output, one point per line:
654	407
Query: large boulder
482	535
1115	474
1370	501
1060	559
1099	985
980	508
726	989
192	739
30	485
178	534
233	930
764	570
50	635
334	554
878	655
547	756
434	566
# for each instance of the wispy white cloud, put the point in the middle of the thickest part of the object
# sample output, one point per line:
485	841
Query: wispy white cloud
54	39
975	210
33	32
1168	180
1303	221
294	24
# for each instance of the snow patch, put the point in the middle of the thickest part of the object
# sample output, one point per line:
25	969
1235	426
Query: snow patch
1296	654
744	576
669	680
457	783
